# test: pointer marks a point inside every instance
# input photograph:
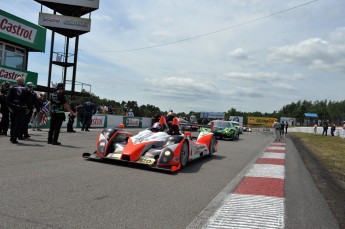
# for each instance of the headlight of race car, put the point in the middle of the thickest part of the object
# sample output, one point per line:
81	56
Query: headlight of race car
166	156
101	146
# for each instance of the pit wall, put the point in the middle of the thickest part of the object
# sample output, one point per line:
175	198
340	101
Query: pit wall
108	121
339	131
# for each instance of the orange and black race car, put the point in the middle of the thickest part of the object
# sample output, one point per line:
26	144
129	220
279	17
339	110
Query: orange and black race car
157	149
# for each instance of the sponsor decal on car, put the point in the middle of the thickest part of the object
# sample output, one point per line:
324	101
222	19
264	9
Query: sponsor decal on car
148	161
115	155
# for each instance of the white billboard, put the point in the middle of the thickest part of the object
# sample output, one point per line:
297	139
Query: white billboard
213	115
238	119
84	3
64	22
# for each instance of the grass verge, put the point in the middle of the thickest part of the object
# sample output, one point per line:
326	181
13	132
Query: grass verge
330	150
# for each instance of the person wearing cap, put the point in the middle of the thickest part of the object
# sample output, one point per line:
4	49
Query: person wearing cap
59	104
5	120
33	100
18	101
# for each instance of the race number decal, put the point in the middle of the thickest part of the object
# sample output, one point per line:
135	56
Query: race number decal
148	161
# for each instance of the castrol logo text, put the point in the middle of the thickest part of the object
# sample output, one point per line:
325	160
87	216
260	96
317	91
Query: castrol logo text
17	29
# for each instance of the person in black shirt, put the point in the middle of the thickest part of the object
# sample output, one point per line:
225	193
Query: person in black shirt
74	106
33	100
18	101
58	103
5	121
286	126
89	109
325	127
282	126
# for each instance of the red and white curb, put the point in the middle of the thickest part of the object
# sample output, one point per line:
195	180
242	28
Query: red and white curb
258	200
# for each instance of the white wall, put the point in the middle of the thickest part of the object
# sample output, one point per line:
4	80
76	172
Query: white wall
338	131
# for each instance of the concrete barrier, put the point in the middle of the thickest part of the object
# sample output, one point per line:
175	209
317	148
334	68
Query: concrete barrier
339	131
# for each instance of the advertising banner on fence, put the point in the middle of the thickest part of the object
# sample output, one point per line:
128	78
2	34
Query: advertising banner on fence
98	121
132	122
213	115
261	121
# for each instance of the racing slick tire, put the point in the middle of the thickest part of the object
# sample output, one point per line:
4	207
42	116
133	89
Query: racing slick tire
184	154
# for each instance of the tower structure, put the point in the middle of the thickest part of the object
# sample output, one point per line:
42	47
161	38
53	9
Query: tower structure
67	20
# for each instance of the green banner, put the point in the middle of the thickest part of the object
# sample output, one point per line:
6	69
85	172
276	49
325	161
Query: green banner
132	122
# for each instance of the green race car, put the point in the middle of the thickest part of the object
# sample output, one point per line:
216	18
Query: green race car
222	129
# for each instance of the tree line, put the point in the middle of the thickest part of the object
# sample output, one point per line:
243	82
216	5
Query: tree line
333	111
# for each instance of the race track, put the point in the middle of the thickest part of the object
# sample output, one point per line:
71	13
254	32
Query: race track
45	186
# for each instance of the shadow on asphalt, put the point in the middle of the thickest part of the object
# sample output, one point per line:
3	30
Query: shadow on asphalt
195	166
192	167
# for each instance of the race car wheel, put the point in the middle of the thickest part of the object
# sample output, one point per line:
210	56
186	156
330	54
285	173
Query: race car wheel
211	149
184	155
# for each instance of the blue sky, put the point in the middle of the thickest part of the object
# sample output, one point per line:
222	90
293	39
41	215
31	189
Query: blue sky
205	55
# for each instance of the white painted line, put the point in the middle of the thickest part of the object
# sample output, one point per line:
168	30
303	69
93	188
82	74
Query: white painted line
276	147
274	155
249	211
267	170
278	144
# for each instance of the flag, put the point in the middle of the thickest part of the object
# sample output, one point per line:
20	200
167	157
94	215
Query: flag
45	108
44	119
44	111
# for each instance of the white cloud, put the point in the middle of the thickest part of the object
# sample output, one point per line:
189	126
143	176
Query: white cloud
314	53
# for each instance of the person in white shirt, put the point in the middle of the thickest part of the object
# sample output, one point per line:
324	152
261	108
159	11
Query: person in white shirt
276	128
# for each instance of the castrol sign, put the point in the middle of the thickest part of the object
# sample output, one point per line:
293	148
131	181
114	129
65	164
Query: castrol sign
98	121
21	32
64	22
16	29
10	75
